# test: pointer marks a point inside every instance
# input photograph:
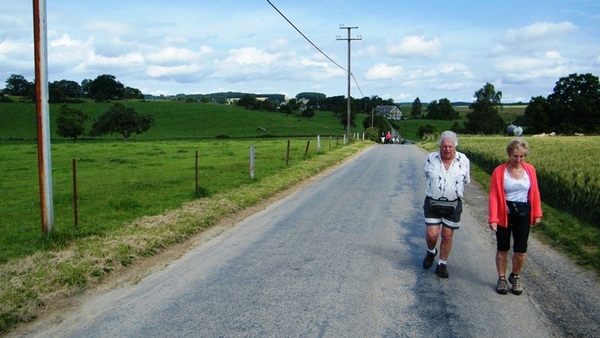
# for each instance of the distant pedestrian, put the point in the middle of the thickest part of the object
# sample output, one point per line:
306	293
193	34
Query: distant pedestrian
446	172
514	206
382	138
388	137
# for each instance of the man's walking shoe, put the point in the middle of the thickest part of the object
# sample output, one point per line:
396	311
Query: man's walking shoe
441	271
429	257
502	287
515	280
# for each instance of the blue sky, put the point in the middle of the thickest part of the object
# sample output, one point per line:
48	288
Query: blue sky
430	49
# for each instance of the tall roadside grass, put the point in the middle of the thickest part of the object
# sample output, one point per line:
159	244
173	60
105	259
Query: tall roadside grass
569	185
136	199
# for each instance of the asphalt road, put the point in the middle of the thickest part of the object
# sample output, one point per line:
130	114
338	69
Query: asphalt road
342	258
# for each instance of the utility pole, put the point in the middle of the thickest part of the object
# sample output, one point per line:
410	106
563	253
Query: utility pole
43	115
349	119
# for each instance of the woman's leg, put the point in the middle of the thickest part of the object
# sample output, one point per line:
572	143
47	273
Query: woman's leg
501	262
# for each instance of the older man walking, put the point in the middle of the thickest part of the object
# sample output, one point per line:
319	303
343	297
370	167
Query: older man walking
446	172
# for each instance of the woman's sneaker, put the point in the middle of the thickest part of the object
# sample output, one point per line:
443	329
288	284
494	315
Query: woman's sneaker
502	286
515	280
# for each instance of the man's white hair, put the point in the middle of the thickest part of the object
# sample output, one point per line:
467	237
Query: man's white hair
449	134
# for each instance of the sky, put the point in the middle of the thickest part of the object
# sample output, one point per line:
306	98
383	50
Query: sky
399	49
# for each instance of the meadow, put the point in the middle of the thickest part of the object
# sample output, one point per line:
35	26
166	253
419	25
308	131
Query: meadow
118	182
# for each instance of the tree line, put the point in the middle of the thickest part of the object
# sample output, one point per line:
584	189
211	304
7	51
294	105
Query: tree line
104	88
573	107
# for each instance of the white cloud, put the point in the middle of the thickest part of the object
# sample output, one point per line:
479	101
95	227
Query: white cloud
538	31
552	54
417	46
251	56
172	55
170	72
94	62
404	96
9	47
382	71
523	69
535	38
64	40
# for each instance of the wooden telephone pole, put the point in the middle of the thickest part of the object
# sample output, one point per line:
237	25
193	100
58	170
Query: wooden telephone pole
349	39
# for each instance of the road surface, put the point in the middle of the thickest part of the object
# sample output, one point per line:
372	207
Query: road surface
342	257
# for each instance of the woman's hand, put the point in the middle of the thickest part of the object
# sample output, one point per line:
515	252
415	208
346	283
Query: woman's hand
493	226
536	221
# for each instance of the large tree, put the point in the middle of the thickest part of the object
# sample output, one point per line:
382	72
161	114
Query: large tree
69	88
536	117
132	93
441	110
123	120
247	101
575	104
70	122
484	118
311	96
18	85
105	88
415	111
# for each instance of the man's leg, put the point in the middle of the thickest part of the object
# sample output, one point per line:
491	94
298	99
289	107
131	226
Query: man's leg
433	231
431	236
446	244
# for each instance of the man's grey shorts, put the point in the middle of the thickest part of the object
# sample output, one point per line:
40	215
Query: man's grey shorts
452	221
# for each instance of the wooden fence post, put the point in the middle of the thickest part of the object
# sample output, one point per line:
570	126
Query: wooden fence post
306	151
75	212
287	155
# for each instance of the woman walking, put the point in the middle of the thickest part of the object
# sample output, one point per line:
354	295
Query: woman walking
514	206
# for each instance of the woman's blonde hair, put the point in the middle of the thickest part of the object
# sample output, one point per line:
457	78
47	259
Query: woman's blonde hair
517	143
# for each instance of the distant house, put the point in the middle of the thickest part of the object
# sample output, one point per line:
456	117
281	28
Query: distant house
389	112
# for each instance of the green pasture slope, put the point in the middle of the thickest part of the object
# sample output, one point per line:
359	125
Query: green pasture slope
181	120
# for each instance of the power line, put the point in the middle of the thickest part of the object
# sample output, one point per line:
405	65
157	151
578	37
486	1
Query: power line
317	48
304	36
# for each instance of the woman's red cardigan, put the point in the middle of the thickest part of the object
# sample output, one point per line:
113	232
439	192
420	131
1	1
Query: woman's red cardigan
497	210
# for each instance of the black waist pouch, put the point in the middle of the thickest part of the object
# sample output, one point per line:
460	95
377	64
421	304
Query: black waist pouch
443	206
520	209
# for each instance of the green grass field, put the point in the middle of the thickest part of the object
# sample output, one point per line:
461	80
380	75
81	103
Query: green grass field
118	182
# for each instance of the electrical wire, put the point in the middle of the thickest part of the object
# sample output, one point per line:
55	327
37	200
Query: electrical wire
317	48
307	39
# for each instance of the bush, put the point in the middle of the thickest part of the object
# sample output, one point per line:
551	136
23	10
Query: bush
427	130
372	134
